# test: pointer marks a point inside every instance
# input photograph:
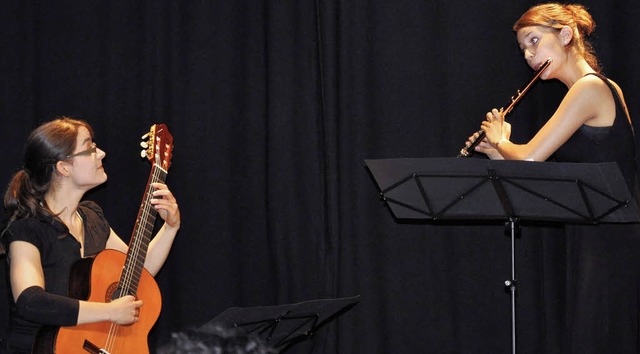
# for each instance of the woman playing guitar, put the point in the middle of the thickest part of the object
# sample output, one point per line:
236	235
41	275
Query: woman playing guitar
50	228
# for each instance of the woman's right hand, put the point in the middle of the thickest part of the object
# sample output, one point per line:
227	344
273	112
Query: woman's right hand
125	310
485	148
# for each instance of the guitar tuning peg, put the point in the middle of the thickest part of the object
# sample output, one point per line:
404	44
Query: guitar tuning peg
144	145
144	137
143	154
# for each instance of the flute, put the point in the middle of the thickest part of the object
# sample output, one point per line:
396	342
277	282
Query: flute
466	151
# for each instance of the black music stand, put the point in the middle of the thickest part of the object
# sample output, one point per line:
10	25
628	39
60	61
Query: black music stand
282	326
452	188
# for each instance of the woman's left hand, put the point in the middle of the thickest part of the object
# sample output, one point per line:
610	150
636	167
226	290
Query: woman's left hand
495	128
166	204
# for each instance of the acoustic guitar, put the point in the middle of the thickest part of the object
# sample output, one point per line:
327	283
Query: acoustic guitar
112	274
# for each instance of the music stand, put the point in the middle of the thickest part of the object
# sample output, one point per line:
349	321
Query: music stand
281	326
452	188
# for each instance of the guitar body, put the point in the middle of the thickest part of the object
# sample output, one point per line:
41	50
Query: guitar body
104	274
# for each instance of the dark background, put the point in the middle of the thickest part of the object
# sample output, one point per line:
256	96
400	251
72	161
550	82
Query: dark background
273	106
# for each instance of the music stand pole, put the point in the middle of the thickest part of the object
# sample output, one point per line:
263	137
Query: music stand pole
512	228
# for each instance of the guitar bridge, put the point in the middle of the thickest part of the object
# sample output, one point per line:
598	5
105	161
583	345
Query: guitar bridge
92	348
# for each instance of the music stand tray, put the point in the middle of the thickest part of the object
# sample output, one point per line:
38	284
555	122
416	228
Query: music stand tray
452	188
281	326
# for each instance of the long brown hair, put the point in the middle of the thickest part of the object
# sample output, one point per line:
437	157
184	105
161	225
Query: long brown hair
556	16
49	143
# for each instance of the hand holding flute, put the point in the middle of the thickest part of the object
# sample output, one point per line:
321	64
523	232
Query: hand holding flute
500	130
497	131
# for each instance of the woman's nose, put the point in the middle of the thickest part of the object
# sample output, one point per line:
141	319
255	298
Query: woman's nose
528	54
101	153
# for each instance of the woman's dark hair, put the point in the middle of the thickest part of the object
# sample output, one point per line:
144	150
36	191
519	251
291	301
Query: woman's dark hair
49	143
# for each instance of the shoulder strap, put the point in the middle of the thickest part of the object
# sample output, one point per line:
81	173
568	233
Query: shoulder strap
611	87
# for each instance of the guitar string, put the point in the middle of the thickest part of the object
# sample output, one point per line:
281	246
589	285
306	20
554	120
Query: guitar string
112	336
157	176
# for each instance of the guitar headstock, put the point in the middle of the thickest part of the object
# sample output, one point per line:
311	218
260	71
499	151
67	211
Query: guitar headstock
157	146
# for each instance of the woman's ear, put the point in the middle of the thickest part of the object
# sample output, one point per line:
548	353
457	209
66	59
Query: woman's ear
566	34
63	168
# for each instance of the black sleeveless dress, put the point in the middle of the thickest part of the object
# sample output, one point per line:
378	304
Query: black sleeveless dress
603	261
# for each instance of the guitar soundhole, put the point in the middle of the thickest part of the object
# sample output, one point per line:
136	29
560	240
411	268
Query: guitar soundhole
112	292
115	292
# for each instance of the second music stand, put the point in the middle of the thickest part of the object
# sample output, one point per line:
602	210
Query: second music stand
451	188
281	326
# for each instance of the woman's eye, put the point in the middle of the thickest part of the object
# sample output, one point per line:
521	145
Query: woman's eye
534	40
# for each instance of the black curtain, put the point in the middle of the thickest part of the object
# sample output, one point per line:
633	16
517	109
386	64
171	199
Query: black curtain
273	106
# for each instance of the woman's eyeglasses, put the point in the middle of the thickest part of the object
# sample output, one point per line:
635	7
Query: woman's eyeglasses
89	151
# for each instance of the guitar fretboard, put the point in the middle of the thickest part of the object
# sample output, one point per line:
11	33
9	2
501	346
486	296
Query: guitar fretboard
141	237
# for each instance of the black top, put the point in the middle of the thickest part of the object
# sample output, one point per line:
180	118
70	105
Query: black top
59	250
615	143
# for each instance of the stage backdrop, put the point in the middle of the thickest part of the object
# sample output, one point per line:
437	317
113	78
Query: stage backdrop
273	106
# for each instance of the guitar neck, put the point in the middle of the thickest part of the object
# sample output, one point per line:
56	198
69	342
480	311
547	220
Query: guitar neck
141	236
